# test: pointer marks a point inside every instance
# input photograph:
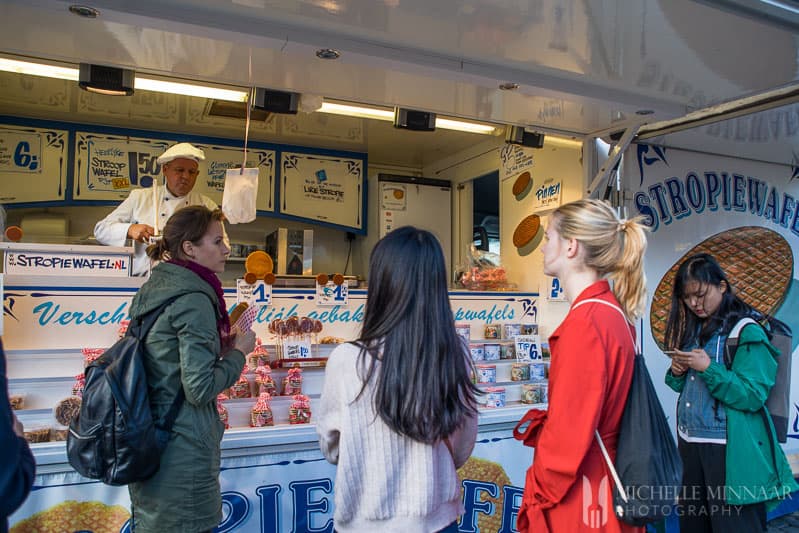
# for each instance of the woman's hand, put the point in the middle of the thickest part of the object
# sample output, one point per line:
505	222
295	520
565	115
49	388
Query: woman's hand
677	369
697	359
245	340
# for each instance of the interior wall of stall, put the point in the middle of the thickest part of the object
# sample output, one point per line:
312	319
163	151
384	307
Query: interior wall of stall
560	161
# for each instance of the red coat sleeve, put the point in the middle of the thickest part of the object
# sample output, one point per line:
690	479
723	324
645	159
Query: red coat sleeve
578	388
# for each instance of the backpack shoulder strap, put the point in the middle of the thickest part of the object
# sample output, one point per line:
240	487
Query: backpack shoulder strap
636	345
731	344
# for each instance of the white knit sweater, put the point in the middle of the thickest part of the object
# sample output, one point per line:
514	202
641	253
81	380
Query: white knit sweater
385	482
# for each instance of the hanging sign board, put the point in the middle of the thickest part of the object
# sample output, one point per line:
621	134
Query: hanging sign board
324	188
33	164
107	167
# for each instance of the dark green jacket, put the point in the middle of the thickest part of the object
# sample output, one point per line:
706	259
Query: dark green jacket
742	391
183	351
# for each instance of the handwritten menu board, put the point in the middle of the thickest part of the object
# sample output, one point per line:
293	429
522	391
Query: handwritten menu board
218	159
323	188
33	164
107	167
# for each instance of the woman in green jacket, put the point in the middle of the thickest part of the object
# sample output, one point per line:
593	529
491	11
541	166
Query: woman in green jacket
189	346
732	464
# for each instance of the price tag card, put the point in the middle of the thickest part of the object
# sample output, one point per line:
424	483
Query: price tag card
332	294
297	350
257	294
528	348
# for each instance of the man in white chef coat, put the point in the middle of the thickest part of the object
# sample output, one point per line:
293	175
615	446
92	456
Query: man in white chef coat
145	211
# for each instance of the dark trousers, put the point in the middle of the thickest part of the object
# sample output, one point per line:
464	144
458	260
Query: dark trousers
702	507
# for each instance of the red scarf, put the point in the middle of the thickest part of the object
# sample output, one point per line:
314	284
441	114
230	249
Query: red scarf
210	277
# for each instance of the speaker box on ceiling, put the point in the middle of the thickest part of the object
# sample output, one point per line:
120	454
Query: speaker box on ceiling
517	135
414	120
106	80
283	102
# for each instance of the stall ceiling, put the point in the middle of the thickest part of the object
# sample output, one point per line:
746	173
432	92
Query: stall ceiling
582	66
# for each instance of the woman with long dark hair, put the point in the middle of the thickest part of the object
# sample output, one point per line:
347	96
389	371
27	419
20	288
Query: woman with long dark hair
732	463
398	412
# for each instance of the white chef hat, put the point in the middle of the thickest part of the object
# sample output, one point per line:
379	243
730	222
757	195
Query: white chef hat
181	150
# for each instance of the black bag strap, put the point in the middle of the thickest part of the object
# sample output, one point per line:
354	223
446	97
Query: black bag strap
140	329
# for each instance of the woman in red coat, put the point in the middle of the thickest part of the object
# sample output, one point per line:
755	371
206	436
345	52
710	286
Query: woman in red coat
567	488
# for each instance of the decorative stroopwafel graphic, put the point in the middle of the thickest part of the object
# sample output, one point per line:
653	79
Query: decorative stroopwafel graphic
75	516
758	262
526	230
521	183
491	472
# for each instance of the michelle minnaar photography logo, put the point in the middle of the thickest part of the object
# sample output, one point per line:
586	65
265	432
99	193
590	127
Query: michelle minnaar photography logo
687	500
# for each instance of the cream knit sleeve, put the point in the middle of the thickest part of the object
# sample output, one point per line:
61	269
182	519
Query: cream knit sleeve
332	404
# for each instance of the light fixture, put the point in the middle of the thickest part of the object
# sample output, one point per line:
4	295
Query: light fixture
387	115
328	53
359	111
142	82
147	83
84	11
45	69
111	81
469	127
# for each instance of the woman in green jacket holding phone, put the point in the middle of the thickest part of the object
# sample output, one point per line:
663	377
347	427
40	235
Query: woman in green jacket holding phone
733	467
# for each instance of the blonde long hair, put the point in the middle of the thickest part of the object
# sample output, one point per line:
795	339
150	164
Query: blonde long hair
613	246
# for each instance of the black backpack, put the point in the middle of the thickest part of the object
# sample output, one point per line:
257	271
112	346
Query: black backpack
648	467
113	437
778	402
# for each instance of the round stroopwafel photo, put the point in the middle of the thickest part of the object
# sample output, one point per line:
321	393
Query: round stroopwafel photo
526	230
521	183
758	262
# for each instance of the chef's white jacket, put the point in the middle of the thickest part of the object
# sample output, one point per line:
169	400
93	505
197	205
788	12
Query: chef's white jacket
139	208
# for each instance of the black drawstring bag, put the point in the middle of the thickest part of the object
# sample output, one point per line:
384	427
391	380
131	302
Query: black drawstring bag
648	469
647	476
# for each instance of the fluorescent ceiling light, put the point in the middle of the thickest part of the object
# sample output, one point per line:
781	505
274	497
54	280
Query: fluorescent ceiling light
357	111
190	89
387	115
39	69
469	127
142	82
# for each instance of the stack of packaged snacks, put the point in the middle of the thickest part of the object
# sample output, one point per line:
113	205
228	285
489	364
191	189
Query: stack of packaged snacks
264	380
17	401
77	387
261	414
222	410
292	383
123	328
90	354
65	410
241	389
259	356
300	410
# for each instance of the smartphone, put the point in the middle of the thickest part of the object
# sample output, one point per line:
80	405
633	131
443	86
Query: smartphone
670	353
